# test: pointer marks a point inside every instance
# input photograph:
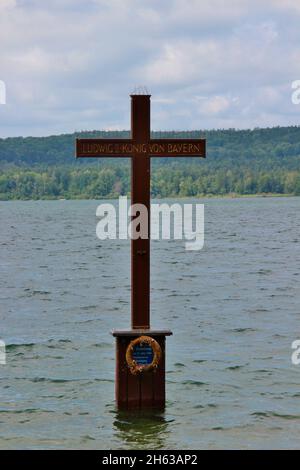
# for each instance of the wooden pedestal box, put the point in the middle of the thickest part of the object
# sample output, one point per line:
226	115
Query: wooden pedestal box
144	390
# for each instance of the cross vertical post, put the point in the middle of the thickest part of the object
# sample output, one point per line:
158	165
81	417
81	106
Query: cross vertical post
140	194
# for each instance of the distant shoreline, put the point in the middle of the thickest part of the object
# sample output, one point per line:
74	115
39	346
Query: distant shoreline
175	198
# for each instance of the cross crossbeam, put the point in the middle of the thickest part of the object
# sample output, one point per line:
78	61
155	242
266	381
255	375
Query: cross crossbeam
95	148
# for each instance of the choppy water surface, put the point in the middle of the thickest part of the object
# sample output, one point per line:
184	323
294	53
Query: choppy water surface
234	308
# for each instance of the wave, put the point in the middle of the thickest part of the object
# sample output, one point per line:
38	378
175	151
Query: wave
273	414
15	346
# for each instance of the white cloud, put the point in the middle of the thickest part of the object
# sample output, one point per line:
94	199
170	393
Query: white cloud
70	64
7	4
286	5
215	105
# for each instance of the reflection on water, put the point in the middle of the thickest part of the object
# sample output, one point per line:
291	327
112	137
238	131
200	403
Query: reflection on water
141	429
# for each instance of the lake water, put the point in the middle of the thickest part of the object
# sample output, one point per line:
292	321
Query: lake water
234	308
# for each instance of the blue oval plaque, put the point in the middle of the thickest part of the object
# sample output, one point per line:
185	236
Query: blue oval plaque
143	354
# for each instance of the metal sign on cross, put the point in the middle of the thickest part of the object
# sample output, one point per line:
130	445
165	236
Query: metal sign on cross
134	390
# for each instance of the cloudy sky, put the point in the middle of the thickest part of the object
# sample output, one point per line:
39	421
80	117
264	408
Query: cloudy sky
71	64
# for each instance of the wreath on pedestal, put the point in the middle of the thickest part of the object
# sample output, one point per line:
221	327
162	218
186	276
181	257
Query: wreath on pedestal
136	368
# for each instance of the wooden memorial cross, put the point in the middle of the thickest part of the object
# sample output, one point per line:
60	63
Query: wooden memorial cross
146	389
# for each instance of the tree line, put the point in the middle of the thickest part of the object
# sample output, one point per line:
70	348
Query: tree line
190	181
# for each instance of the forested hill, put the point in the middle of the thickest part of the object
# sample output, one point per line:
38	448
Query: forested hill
263	147
241	162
